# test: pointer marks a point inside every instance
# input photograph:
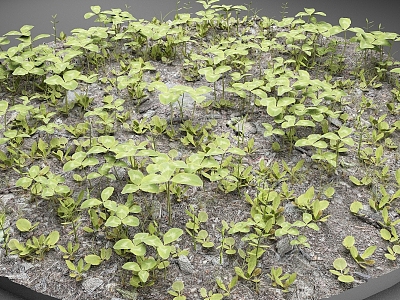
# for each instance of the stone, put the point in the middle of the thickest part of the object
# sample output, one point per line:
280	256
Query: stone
283	246
91	284
303	290
184	264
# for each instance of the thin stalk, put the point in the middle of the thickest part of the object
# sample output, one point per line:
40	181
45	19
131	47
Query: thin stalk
169	205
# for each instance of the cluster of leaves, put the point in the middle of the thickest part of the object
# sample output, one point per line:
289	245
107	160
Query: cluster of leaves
297	111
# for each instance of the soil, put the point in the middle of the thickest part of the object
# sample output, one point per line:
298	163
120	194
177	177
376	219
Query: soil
201	266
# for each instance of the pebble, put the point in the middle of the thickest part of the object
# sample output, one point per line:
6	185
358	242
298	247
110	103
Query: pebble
283	246
91	284
5	198
148	114
184	264
303	290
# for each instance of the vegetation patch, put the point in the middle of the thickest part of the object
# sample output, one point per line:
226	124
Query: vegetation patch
217	155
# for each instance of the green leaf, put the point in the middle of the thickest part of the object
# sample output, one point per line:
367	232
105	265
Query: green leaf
131	266
340	264
368	252
92	259
90	203
70	265
334	272
188	179
71	165
346	278
54	80
143	275
23	225
124	244
313	226
131	221
172	235
130	188
153	179
348	241
113	221
53	238
178	286
385	234
355	180
355	206
164	251
203	216
97	149
24	182
329	192
106	193
344	23
344	131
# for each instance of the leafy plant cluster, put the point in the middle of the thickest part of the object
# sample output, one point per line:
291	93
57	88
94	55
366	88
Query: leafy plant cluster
67	169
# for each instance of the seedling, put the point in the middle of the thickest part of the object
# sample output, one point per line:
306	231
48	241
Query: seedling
34	248
393	252
391	235
25	225
77	271
70	251
218	296
360	259
341	270
283	281
95	260
177	289
193	225
315	207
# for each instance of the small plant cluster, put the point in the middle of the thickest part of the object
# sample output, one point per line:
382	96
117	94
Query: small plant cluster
102	164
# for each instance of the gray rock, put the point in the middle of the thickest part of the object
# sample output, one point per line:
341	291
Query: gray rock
5	198
303	290
71	95
148	114
185	265
283	246
91	284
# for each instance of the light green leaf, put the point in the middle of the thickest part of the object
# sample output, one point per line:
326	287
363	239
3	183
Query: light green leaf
368	252
143	275
344	131
53	238
385	234
356	206
344	23
92	259
172	235
164	251
131	221
24	182
348	241
124	244
71	75
113	221
106	193
90	203
178	286
23	225
131	266
346	278
188	179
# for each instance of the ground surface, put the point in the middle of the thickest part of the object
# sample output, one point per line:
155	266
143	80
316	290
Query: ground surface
202	265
